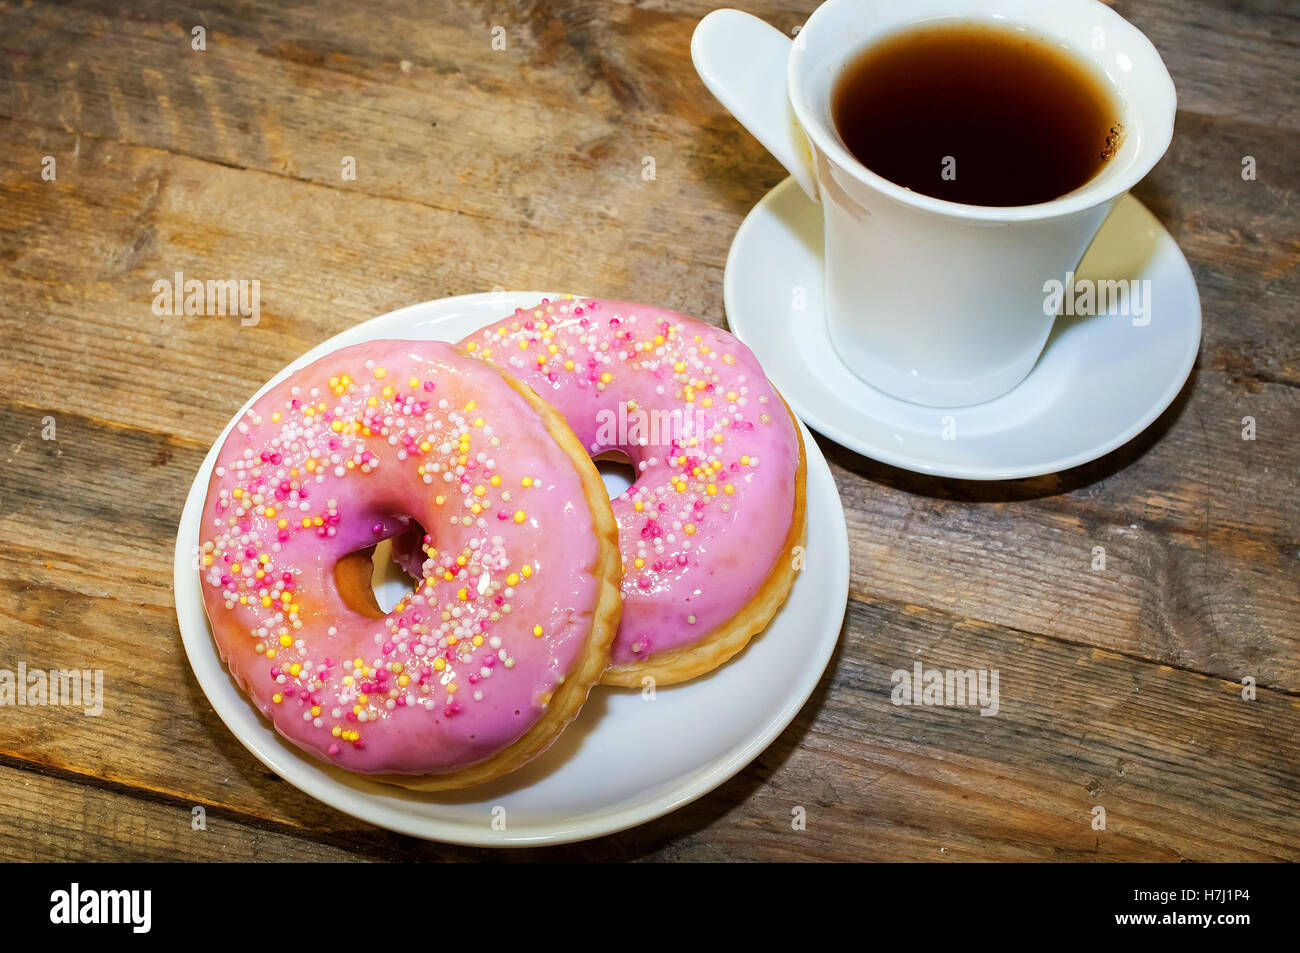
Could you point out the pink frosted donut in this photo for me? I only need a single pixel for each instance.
(708, 529)
(479, 667)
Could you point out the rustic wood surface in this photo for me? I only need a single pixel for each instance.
(479, 168)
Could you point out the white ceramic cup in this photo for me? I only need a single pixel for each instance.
(931, 301)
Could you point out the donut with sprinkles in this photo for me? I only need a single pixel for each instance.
(709, 529)
(494, 508)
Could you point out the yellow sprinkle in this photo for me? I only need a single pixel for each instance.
(380, 373)
(526, 481)
(277, 698)
(520, 516)
(690, 529)
(463, 595)
(537, 631)
(512, 579)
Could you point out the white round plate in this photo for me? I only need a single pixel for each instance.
(626, 759)
(1100, 381)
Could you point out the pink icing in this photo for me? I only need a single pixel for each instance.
(713, 447)
(361, 446)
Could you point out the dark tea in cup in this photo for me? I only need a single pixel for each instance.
(977, 114)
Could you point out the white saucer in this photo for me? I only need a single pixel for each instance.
(627, 759)
(1100, 381)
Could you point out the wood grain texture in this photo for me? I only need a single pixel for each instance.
(522, 169)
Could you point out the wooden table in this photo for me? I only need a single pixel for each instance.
(478, 168)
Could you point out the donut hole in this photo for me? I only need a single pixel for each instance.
(373, 580)
(616, 470)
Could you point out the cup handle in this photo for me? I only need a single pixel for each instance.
(744, 63)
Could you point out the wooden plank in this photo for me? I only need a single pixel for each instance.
(1184, 768)
(54, 819)
(708, 171)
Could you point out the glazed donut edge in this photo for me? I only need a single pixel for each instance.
(569, 698)
(728, 639)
